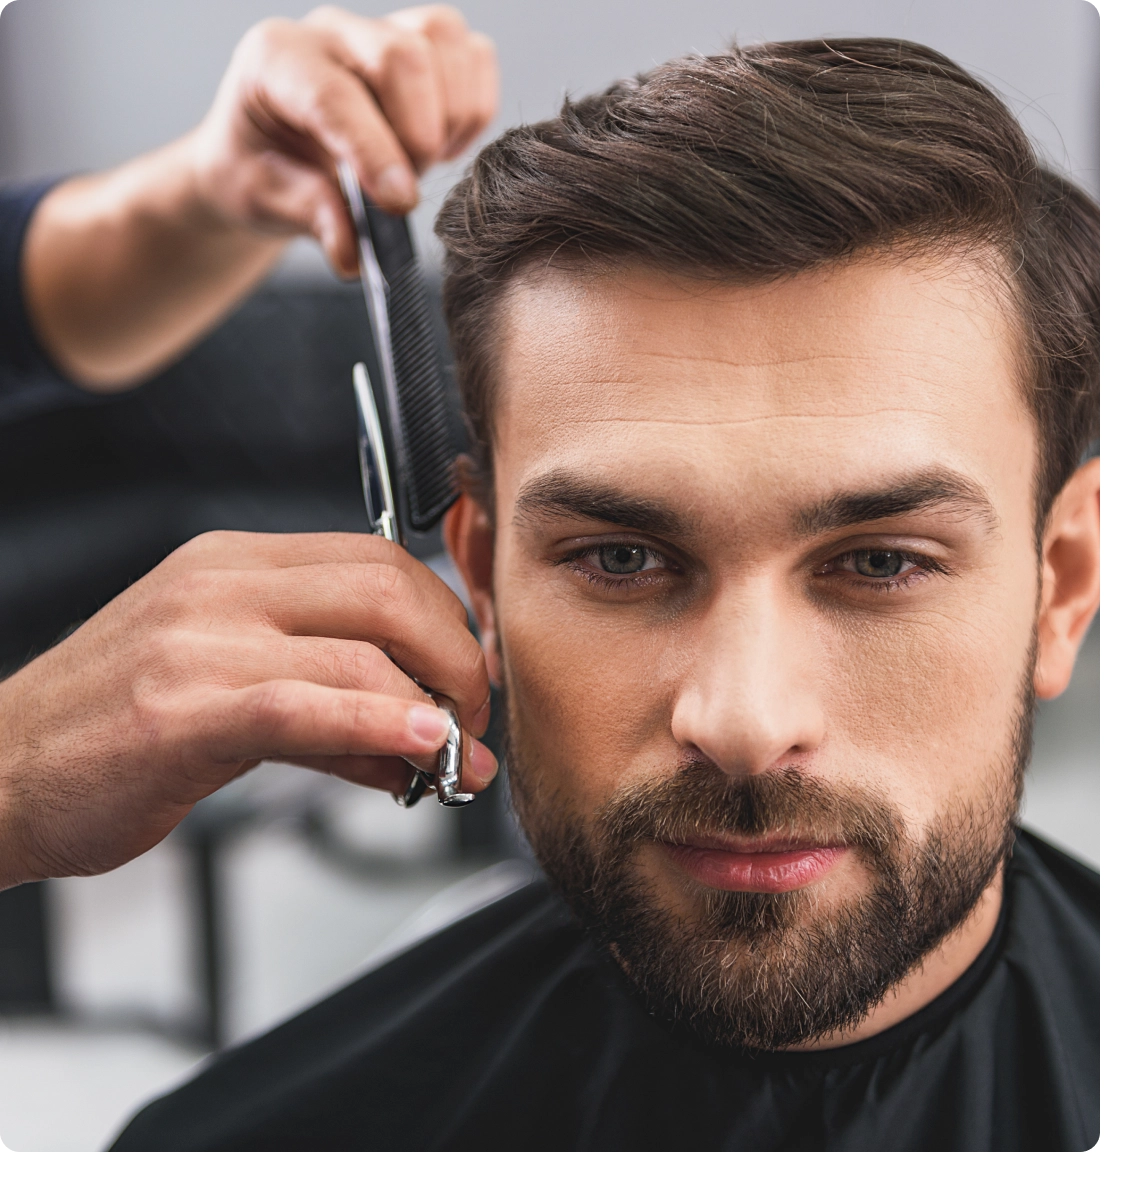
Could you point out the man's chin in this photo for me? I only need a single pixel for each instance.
(803, 958)
(769, 912)
(752, 970)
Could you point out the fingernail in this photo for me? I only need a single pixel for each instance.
(395, 186)
(483, 763)
(429, 724)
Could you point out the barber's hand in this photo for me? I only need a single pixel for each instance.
(391, 96)
(239, 647)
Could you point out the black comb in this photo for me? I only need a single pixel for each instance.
(423, 432)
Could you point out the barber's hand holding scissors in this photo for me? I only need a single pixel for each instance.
(239, 647)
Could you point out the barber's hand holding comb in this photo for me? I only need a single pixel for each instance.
(239, 647)
(298, 97)
(125, 269)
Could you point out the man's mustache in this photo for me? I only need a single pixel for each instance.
(700, 800)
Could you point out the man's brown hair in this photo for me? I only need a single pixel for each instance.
(770, 160)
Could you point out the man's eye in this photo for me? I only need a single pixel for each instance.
(624, 559)
(879, 563)
(883, 570)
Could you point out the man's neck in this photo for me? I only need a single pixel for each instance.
(935, 972)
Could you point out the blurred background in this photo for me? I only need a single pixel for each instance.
(287, 882)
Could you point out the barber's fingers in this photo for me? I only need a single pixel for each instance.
(484, 96)
(466, 67)
(266, 551)
(479, 768)
(390, 601)
(235, 659)
(294, 718)
(288, 719)
(434, 79)
(380, 604)
(335, 663)
(383, 605)
(242, 659)
(310, 82)
(294, 104)
(388, 96)
(228, 549)
(400, 68)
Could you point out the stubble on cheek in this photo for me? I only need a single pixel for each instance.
(924, 703)
(585, 710)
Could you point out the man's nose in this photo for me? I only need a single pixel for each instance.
(751, 698)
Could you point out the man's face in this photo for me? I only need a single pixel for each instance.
(766, 583)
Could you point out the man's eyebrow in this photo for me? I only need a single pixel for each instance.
(933, 488)
(566, 493)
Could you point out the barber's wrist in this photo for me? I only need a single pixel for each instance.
(190, 194)
(15, 861)
(201, 188)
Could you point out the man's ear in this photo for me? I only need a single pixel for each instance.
(1070, 591)
(469, 541)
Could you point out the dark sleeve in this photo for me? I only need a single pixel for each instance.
(29, 382)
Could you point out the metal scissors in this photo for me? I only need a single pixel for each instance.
(376, 473)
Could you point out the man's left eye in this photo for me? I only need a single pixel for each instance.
(880, 563)
(624, 559)
(876, 563)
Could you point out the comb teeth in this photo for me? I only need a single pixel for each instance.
(426, 465)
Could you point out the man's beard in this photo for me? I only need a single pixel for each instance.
(771, 970)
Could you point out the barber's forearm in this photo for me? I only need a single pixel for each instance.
(125, 269)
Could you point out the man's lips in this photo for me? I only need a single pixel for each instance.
(753, 866)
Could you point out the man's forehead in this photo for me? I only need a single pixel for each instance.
(878, 315)
(879, 360)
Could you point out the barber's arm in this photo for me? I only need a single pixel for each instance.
(124, 270)
(237, 648)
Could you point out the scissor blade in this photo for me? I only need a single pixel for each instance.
(373, 459)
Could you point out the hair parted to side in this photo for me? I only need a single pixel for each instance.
(767, 161)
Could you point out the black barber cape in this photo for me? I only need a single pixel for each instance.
(508, 1031)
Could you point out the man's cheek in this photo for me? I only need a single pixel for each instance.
(927, 704)
(589, 702)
